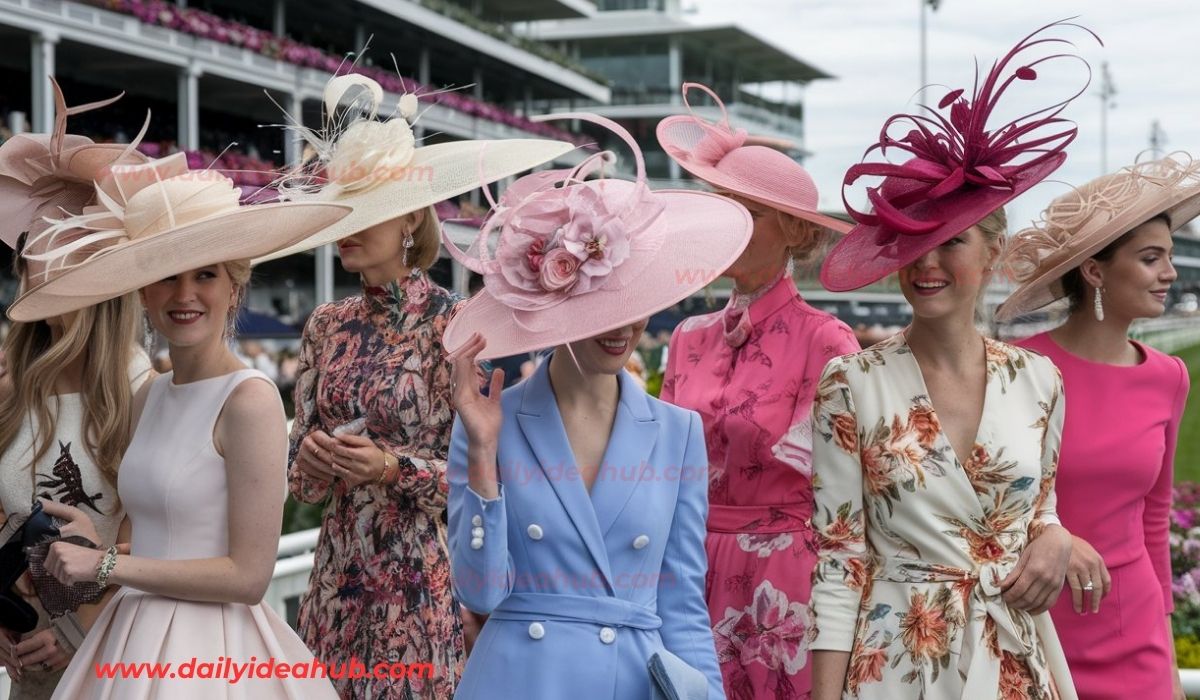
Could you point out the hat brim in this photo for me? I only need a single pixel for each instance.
(858, 260)
(249, 232)
(1180, 205)
(435, 173)
(705, 235)
(668, 131)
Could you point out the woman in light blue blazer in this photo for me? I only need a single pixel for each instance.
(577, 501)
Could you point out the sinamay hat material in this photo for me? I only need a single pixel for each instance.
(1084, 221)
(376, 168)
(958, 169)
(164, 220)
(565, 258)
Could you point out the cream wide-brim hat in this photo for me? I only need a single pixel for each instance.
(435, 173)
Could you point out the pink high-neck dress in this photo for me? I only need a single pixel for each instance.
(1115, 473)
(751, 372)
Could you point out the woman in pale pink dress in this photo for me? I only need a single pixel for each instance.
(751, 371)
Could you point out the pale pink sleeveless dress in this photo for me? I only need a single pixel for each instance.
(173, 485)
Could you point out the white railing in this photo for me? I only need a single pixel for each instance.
(290, 580)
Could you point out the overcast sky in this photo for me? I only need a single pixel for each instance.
(871, 46)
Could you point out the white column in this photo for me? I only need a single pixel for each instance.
(360, 36)
(42, 65)
(477, 78)
(460, 278)
(188, 108)
(324, 263)
(528, 107)
(279, 19)
(423, 66)
(293, 146)
(675, 61)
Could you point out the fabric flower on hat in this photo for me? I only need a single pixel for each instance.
(558, 236)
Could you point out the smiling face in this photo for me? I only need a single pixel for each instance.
(192, 308)
(608, 352)
(1137, 276)
(949, 279)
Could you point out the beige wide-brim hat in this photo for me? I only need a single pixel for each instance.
(1081, 223)
(435, 173)
(166, 220)
(376, 168)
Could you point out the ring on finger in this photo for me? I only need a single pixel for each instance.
(1088, 586)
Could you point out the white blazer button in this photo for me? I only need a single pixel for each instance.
(477, 543)
(608, 635)
(476, 520)
(640, 542)
(476, 532)
(536, 631)
(535, 531)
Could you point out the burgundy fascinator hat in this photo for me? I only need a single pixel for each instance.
(565, 257)
(959, 168)
(729, 158)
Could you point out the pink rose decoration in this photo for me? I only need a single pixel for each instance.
(597, 237)
(559, 271)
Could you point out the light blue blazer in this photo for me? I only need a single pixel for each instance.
(581, 589)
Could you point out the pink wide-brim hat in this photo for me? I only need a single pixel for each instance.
(1084, 221)
(958, 171)
(622, 253)
(165, 220)
(726, 159)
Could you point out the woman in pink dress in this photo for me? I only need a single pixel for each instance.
(1106, 248)
(751, 371)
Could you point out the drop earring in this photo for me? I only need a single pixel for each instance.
(408, 243)
(147, 333)
(1099, 304)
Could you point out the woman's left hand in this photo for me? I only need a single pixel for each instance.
(71, 564)
(1035, 582)
(356, 460)
(41, 650)
(77, 522)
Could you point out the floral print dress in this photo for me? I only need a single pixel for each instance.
(751, 372)
(914, 544)
(380, 585)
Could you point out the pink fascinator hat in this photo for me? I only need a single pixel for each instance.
(48, 176)
(163, 219)
(726, 158)
(565, 258)
(958, 169)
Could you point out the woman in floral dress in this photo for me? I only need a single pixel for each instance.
(750, 371)
(935, 451)
(372, 397)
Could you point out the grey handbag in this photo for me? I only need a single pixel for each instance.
(671, 678)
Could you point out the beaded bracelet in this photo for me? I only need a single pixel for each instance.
(105, 568)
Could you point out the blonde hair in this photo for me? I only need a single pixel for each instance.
(239, 274)
(808, 239)
(104, 336)
(994, 228)
(427, 240)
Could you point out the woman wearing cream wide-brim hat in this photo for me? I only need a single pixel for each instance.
(372, 392)
(200, 479)
(1106, 248)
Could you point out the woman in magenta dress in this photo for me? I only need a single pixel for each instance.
(1106, 248)
(751, 371)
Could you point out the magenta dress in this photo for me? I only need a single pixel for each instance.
(1114, 490)
(751, 371)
